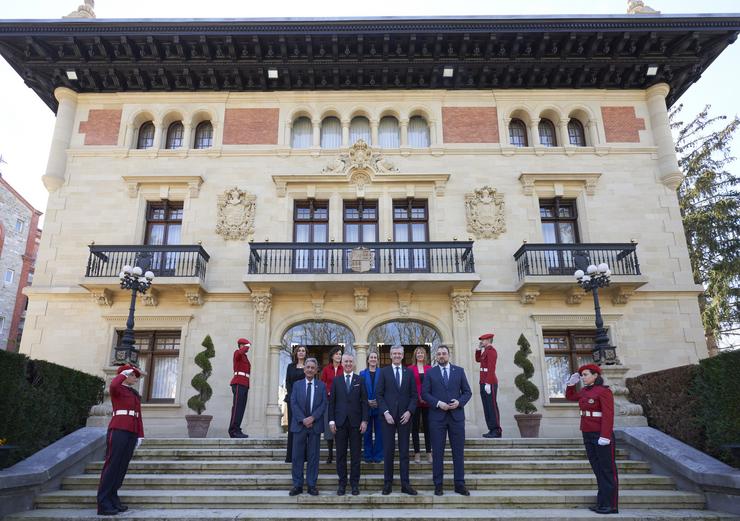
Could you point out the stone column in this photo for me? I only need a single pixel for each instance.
(563, 139)
(274, 413)
(128, 141)
(462, 354)
(534, 133)
(593, 132)
(361, 356)
(374, 132)
(345, 133)
(434, 138)
(316, 133)
(507, 134)
(404, 124)
(258, 410)
(626, 414)
(63, 128)
(159, 134)
(670, 173)
(288, 142)
(187, 136)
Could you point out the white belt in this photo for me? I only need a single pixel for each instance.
(484, 369)
(596, 414)
(239, 373)
(124, 412)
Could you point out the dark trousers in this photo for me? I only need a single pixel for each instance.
(306, 447)
(389, 449)
(119, 450)
(238, 404)
(604, 466)
(440, 429)
(373, 450)
(345, 436)
(421, 415)
(490, 408)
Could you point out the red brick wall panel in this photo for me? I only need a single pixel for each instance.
(251, 127)
(102, 127)
(470, 124)
(621, 125)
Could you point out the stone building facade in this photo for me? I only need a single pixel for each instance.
(363, 216)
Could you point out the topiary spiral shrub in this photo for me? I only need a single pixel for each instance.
(200, 381)
(524, 404)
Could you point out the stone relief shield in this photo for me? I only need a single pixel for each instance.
(236, 209)
(484, 210)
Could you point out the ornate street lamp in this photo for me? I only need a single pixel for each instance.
(132, 278)
(594, 278)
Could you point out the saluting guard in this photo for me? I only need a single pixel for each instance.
(596, 403)
(487, 356)
(125, 432)
(240, 387)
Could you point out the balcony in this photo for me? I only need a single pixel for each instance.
(394, 265)
(550, 267)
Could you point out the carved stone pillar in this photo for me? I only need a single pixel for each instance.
(361, 356)
(563, 138)
(670, 173)
(159, 132)
(128, 140)
(257, 404)
(374, 132)
(463, 352)
(534, 132)
(404, 124)
(274, 413)
(101, 413)
(345, 133)
(593, 132)
(507, 132)
(63, 128)
(287, 141)
(187, 134)
(626, 414)
(316, 133)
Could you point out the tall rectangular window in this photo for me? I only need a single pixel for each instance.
(19, 225)
(565, 352)
(310, 225)
(158, 355)
(360, 226)
(559, 219)
(411, 224)
(9, 276)
(163, 226)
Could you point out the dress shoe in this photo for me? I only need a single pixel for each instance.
(239, 435)
(313, 491)
(408, 489)
(355, 491)
(438, 490)
(295, 491)
(121, 508)
(606, 510)
(113, 512)
(593, 508)
(387, 489)
(462, 490)
(488, 435)
(340, 491)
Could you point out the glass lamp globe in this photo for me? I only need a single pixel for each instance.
(137, 271)
(592, 269)
(578, 274)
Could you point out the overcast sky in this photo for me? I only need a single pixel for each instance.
(26, 123)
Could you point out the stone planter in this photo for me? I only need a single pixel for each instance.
(198, 425)
(529, 425)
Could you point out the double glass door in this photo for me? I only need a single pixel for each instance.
(410, 224)
(311, 225)
(163, 226)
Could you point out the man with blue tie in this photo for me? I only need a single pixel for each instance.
(308, 405)
(397, 395)
(348, 411)
(446, 390)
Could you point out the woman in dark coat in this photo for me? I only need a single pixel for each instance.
(292, 375)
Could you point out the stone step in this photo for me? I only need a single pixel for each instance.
(272, 499)
(280, 442)
(375, 514)
(260, 467)
(367, 482)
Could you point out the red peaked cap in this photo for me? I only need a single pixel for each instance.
(122, 368)
(244, 341)
(486, 336)
(595, 369)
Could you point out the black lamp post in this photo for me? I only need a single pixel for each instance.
(594, 278)
(132, 278)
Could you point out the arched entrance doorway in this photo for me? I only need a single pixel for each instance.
(408, 333)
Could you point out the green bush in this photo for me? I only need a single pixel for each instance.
(41, 402)
(200, 381)
(524, 404)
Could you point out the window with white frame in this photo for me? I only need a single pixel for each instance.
(159, 353)
(302, 136)
(19, 223)
(419, 136)
(565, 352)
(9, 276)
(359, 128)
(331, 133)
(389, 135)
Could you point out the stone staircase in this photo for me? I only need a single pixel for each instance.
(210, 479)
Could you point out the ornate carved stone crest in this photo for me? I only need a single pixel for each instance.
(361, 259)
(484, 209)
(459, 301)
(361, 156)
(236, 210)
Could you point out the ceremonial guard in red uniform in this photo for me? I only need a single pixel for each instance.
(596, 403)
(486, 355)
(125, 432)
(240, 388)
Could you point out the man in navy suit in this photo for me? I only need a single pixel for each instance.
(396, 393)
(348, 413)
(446, 390)
(308, 405)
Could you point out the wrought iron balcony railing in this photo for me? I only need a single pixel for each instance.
(164, 261)
(267, 258)
(559, 259)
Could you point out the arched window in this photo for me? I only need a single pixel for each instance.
(146, 136)
(547, 133)
(418, 132)
(359, 128)
(410, 334)
(389, 135)
(174, 135)
(203, 135)
(302, 133)
(331, 133)
(576, 135)
(518, 133)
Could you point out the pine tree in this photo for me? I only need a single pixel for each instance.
(709, 200)
(199, 382)
(524, 404)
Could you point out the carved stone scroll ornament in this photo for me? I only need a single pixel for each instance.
(639, 7)
(235, 220)
(359, 156)
(83, 11)
(459, 301)
(484, 210)
(262, 302)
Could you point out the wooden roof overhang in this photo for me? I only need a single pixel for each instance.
(553, 52)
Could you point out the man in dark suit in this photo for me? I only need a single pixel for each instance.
(308, 405)
(446, 390)
(396, 393)
(348, 414)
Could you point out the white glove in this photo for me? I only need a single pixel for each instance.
(127, 372)
(574, 379)
(604, 441)
(138, 442)
(488, 388)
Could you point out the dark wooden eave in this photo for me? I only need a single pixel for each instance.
(554, 52)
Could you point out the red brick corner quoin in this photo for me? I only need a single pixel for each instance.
(251, 127)
(621, 125)
(470, 124)
(101, 127)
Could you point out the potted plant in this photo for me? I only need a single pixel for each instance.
(198, 423)
(529, 420)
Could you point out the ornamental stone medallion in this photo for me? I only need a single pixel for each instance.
(360, 156)
(235, 220)
(484, 210)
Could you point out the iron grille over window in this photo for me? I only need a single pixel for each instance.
(146, 136)
(203, 135)
(576, 135)
(518, 133)
(174, 135)
(547, 133)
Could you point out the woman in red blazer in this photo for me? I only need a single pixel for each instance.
(327, 376)
(421, 415)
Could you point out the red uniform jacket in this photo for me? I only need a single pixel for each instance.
(328, 374)
(415, 369)
(594, 399)
(241, 365)
(487, 360)
(125, 398)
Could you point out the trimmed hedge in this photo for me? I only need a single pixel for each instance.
(41, 402)
(697, 404)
